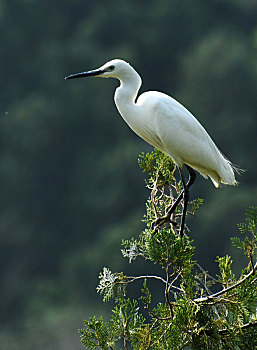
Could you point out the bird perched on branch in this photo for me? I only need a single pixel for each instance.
(167, 125)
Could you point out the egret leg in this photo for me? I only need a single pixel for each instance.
(187, 185)
(190, 182)
(185, 194)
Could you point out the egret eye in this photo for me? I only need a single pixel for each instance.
(111, 68)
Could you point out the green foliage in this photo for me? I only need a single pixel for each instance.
(225, 269)
(126, 324)
(158, 166)
(146, 294)
(249, 230)
(96, 333)
(191, 314)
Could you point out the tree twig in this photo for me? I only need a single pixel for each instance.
(132, 278)
(167, 291)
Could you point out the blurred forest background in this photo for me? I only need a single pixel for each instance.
(71, 188)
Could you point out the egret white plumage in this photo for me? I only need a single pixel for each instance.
(167, 125)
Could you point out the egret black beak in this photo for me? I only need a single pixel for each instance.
(95, 72)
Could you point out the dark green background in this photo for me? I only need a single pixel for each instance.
(69, 181)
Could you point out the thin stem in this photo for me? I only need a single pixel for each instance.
(162, 335)
(167, 289)
(174, 280)
(203, 271)
(153, 196)
(252, 263)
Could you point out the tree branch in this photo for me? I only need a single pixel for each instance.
(244, 326)
(221, 292)
(157, 317)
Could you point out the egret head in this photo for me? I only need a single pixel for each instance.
(113, 69)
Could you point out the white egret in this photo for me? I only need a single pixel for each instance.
(167, 125)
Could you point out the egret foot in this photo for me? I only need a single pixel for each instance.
(161, 221)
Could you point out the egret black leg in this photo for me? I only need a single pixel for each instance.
(192, 176)
(185, 194)
(190, 182)
(188, 185)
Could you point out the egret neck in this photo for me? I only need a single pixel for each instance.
(125, 97)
